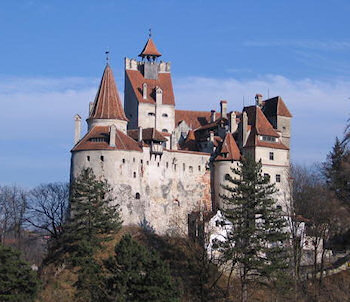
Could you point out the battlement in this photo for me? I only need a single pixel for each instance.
(133, 64)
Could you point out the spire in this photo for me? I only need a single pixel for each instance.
(150, 49)
(107, 103)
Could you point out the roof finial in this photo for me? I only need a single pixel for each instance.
(107, 56)
(150, 33)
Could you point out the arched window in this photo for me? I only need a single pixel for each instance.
(151, 114)
(164, 130)
(134, 174)
(137, 196)
(164, 115)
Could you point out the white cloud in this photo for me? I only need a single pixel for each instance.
(36, 116)
(320, 108)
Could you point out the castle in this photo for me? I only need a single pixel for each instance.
(167, 165)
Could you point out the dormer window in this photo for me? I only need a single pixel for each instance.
(267, 138)
(98, 139)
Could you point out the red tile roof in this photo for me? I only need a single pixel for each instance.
(164, 82)
(150, 49)
(190, 143)
(107, 103)
(101, 136)
(257, 120)
(230, 148)
(275, 106)
(254, 141)
(148, 134)
(194, 119)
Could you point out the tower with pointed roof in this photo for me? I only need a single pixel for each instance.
(107, 109)
(149, 100)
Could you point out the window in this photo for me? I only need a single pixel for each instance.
(151, 114)
(191, 169)
(164, 115)
(141, 161)
(167, 164)
(271, 156)
(278, 207)
(226, 176)
(102, 158)
(98, 139)
(147, 163)
(174, 167)
(278, 178)
(158, 164)
(184, 166)
(134, 174)
(199, 168)
(268, 138)
(123, 160)
(267, 175)
(164, 130)
(88, 158)
(137, 196)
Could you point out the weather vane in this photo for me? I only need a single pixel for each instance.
(150, 33)
(107, 56)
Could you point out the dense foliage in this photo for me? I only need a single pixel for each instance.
(137, 274)
(18, 282)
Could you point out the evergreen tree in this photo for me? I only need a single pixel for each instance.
(137, 274)
(94, 220)
(18, 282)
(255, 244)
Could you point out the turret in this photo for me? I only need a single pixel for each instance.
(107, 108)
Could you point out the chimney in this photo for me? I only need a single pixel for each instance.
(223, 106)
(139, 138)
(77, 128)
(91, 106)
(211, 138)
(258, 99)
(233, 122)
(212, 116)
(244, 128)
(159, 95)
(112, 133)
(144, 91)
(173, 144)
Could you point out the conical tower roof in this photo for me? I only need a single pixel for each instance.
(150, 49)
(107, 104)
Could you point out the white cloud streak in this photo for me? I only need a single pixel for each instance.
(37, 117)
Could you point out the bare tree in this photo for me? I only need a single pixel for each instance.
(47, 208)
(13, 202)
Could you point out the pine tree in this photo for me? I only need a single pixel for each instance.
(137, 274)
(18, 283)
(94, 220)
(255, 244)
(336, 171)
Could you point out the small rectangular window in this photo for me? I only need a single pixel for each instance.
(167, 164)
(141, 161)
(199, 168)
(271, 156)
(88, 158)
(133, 159)
(102, 158)
(123, 160)
(191, 169)
(266, 175)
(184, 166)
(278, 178)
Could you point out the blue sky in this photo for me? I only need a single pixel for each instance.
(52, 55)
